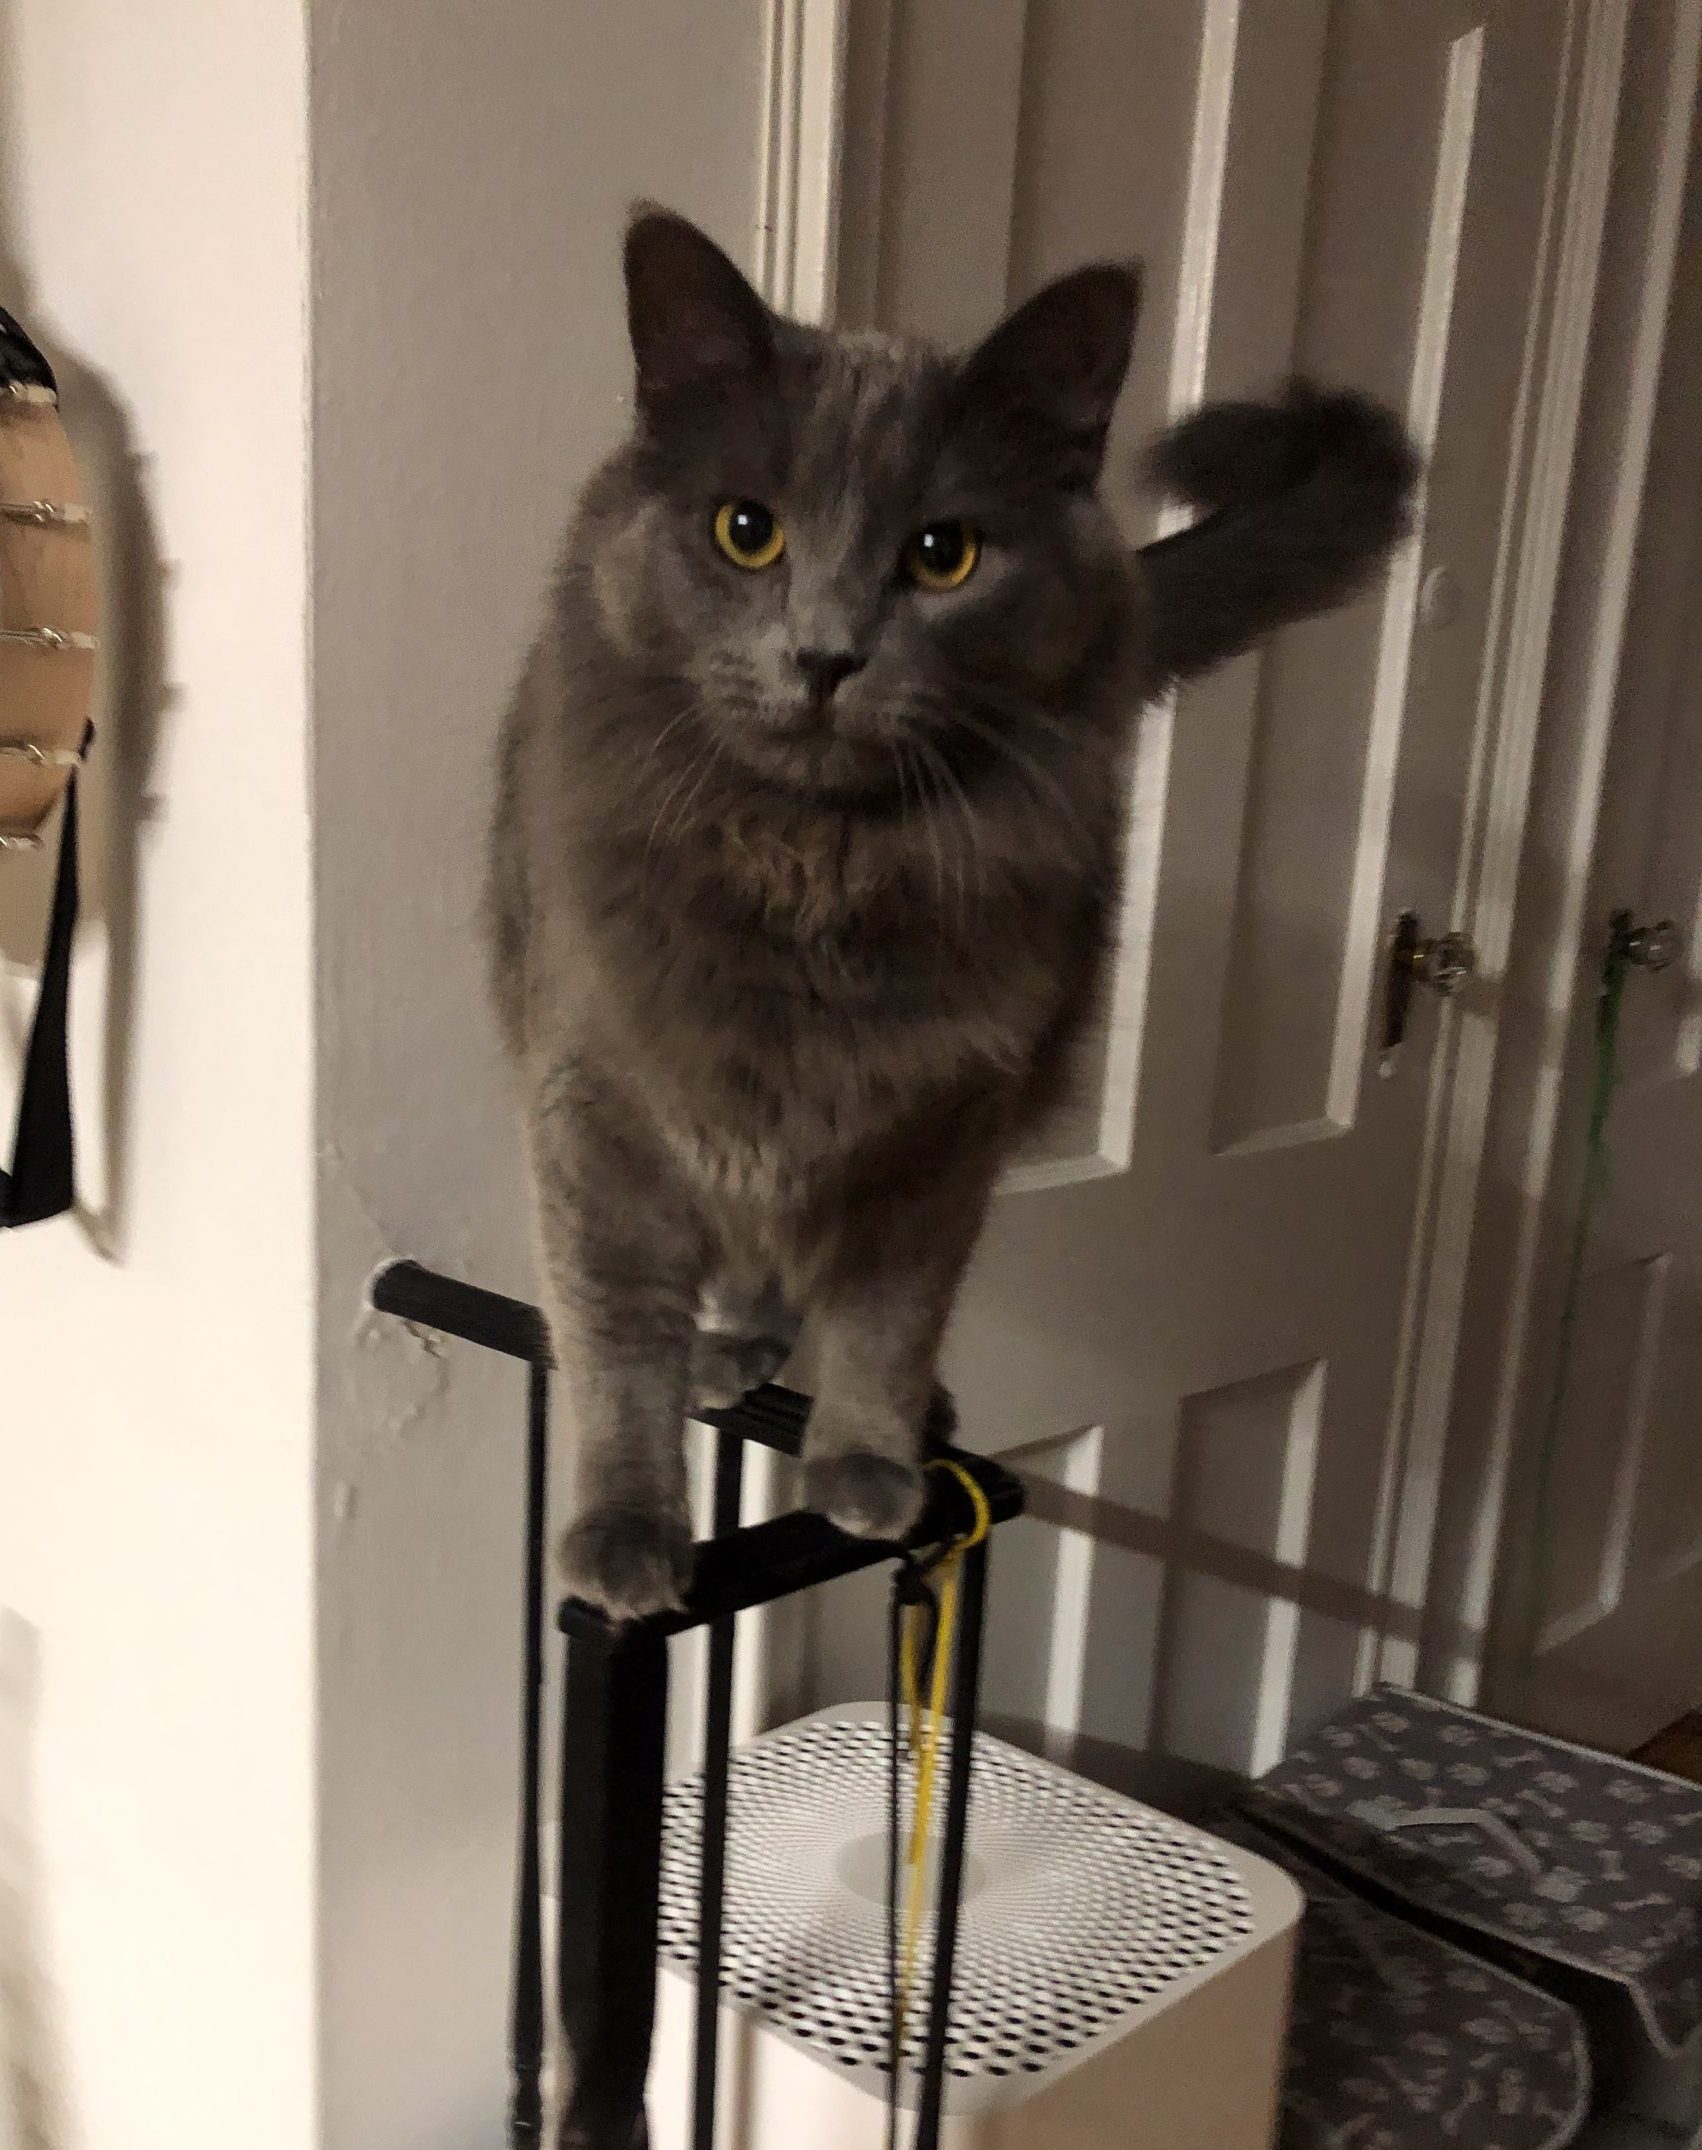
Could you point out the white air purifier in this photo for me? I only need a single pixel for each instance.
(1121, 1978)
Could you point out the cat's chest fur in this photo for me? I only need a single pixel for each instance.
(790, 993)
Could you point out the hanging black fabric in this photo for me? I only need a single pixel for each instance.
(20, 360)
(43, 1181)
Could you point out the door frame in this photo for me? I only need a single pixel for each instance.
(1487, 1284)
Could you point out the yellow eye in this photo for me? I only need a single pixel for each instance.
(942, 556)
(748, 533)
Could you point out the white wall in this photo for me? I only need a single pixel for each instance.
(472, 167)
(155, 1407)
(204, 208)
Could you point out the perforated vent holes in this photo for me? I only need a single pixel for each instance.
(1079, 1909)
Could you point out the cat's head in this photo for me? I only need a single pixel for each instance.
(853, 552)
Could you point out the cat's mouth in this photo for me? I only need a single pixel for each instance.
(808, 719)
(812, 728)
(807, 750)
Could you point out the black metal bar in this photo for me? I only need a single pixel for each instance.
(894, 1827)
(772, 1416)
(613, 1742)
(965, 1703)
(526, 2025)
(765, 1561)
(717, 1755)
(614, 1717)
(412, 1292)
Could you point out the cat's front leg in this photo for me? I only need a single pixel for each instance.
(745, 1334)
(876, 1351)
(877, 1318)
(623, 1258)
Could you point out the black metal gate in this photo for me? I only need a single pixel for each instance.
(614, 1716)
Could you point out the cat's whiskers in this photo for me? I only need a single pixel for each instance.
(995, 698)
(907, 767)
(698, 768)
(1028, 718)
(681, 818)
(1040, 779)
(949, 788)
(661, 739)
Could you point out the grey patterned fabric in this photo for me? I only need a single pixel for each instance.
(1576, 1857)
(1400, 2041)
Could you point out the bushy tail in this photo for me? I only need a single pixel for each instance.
(1301, 501)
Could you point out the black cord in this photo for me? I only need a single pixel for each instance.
(526, 2018)
(895, 1630)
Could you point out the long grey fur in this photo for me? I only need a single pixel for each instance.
(801, 878)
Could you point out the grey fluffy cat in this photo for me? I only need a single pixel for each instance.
(808, 838)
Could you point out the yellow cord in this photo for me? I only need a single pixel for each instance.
(927, 1720)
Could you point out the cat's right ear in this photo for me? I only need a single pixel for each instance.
(694, 320)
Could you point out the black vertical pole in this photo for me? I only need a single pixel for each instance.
(526, 2023)
(965, 1701)
(614, 1720)
(712, 1871)
(894, 1828)
(614, 1714)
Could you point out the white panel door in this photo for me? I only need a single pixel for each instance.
(1617, 1629)
(1190, 1308)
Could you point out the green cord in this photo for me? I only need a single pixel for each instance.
(1615, 968)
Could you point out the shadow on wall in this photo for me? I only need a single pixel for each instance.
(1183, 1546)
(1162, 1769)
(32, 2113)
(130, 702)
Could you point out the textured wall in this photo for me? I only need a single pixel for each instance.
(472, 165)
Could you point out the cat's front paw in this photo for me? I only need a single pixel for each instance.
(725, 1367)
(626, 1562)
(867, 1495)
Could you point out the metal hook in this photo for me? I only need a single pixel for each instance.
(49, 638)
(67, 516)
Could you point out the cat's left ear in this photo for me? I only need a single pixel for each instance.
(694, 320)
(1058, 362)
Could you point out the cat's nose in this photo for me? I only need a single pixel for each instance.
(825, 668)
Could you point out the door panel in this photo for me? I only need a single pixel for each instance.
(1246, 1470)
(1188, 1309)
(1618, 1563)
